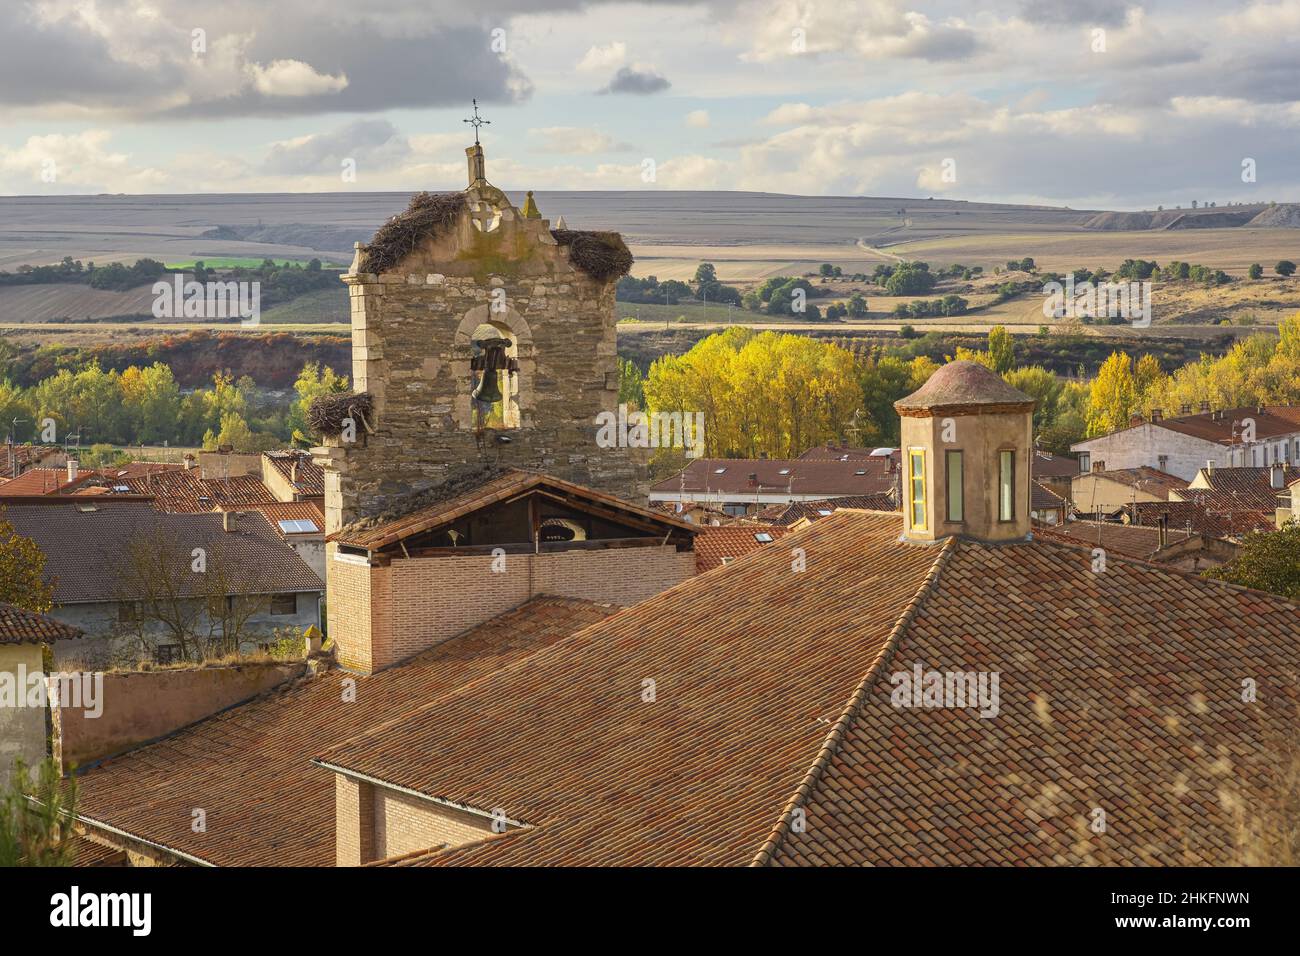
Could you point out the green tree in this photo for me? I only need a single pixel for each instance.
(151, 400)
(857, 305)
(38, 833)
(705, 274)
(631, 385)
(313, 382)
(1256, 270)
(1002, 353)
(1284, 268)
(1041, 385)
(1267, 561)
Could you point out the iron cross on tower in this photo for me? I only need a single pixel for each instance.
(477, 122)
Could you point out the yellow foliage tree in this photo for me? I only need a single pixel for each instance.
(22, 571)
(760, 393)
(1113, 395)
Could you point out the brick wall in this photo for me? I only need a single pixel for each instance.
(380, 616)
(405, 824)
(354, 821)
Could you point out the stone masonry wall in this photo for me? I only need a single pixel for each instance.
(411, 349)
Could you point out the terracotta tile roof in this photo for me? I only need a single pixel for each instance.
(308, 478)
(138, 469)
(293, 511)
(1237, 489)
(90, 853)
(20, 457)
(831, 452)
(374, 535)
(1047, 465)
(712, 544)
(84, 543)
(787, 514)
(184, 492)
(780, 476)
(1119, 692)
(774, 702)
(250, 768)
(963, 384)
(37, 481)
(1151, 480)
(18, 626)
(1224, 426)
(750, 662)
(1042, 498)
(1133, 540)
(1200, 518)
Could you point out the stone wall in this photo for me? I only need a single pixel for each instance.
(411, 349)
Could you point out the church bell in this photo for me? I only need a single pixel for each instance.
(489, 362)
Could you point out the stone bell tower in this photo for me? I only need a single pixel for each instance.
(967, 447)
(480, 337)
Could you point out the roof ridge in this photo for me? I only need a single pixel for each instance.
(830, 745)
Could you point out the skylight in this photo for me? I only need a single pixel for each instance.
(719, 471)
(784, 471)
(298, 526)
(762, 537)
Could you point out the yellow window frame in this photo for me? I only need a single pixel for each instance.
(915, 470)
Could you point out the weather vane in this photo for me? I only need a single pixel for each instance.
(477, 122)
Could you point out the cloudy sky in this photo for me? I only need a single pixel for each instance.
(1090, 103)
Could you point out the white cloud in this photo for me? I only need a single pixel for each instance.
(576, 140)
(75, 163)
(293, 78)
(598, 59)
(879, 29)
(697, 119)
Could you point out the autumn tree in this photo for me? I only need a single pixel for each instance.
(1113, 395)
(768, 392)
(22, 571)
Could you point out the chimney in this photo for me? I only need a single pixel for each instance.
(1164, 530)
(1135, 419)
(1277, 476)
(72, 469)
(229, 520)
(293, 472)
(189, 461)
(753, 479)
(1209, 467)
(1098, 466)
(1156, 414)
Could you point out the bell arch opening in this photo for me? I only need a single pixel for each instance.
(494, 376)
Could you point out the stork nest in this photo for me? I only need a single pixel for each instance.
(602, 255)
(328, 413)
(429, 214)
